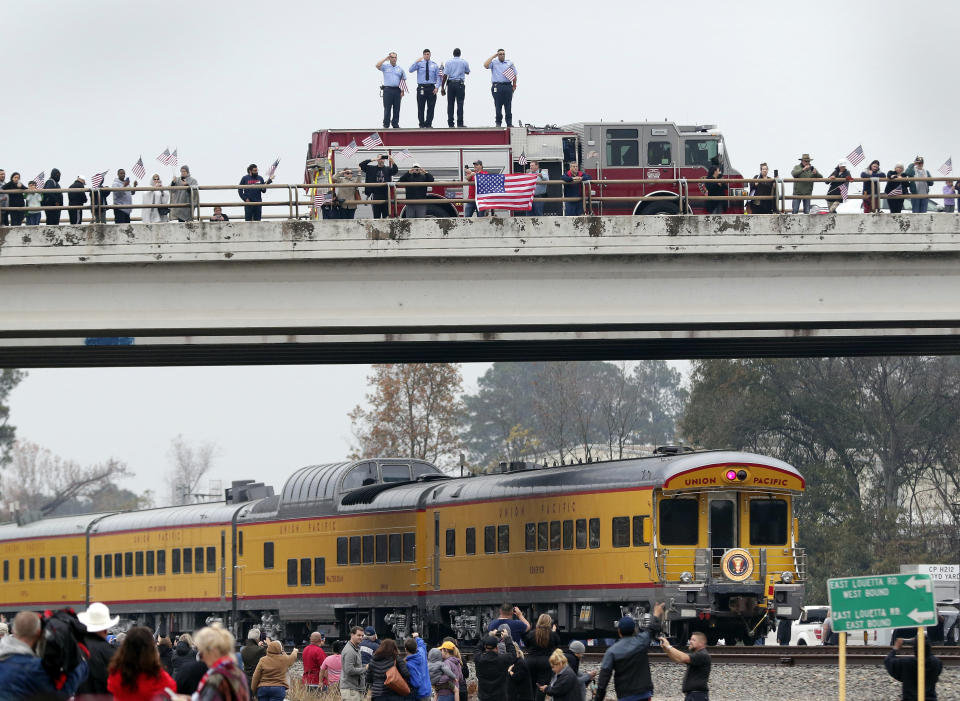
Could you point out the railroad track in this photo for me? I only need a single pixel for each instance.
(857, 655)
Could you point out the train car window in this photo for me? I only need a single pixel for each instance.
(470, 543)
(367, 549)
(53, 568)
(43, 568)
(128, 564)
(75, 566)
(175, 561)
(97, 566)
(555, 540)
(161, 561)
(356, 549)
(396, 547)
(305, 579)
(621, 531)
(503, 538)
(138, 563)
(63, 566)
(240, 543)
(108, 565)
(211, 559)
(151, 560)
(33, 568)
(451, 542)
(341, 551)
(568, 534)
(581, 533)
(21, 569)
(638, 538)
(292, 572)
(6, 570)
(188, 560)
(360, 476)
(530, 537)
(768, 522)
(395, 473)
(658, 153)
(320, 571)
(409, 547)
(594, 533)
(118, 564)
(489, 540)
(381, 548)
(268, 555)
(198, 560)
(419, 470)
(679, 522)
(543, 536)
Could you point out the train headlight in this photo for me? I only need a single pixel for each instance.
(735, 475)
(786, 577)
(686, 578)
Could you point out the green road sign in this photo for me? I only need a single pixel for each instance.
(881, 601)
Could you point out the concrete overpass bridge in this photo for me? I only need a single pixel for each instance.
(481, 289)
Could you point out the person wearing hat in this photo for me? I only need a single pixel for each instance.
(626, 660)
(97, 620)
(697, 660)
(76, 199)
(801, 172)
(369, 645)
(416, 174)
(491, 667)
(576, 651)
(378, 172)
(471, 205)
(918, 187)
(186, 198)
(835, 188)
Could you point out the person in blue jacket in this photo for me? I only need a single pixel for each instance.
(252, 212)
(21, 673)
(420, 686)
(572, 188)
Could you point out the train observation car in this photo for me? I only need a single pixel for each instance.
(398, 544)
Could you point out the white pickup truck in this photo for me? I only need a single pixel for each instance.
(805, 630)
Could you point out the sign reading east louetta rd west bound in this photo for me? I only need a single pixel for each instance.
(881, 601)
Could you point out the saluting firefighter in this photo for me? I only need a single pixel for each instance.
(504, 76)
(392, 73)
(454, 86)
(428, 85)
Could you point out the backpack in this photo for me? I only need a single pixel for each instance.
(61, 648)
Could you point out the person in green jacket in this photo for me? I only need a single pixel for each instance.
(804, 170)
(918, 187)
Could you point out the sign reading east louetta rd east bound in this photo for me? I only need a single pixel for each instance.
(881, 601)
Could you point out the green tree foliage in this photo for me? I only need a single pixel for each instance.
(877, 439)
(9, 379)
(590, 409)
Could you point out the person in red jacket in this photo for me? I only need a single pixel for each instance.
(313, 657)
(135, 671)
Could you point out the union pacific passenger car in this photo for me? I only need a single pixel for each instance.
(400, 545)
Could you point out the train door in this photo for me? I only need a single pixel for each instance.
(721, 524)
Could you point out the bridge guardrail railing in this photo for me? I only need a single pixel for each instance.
(299, 208)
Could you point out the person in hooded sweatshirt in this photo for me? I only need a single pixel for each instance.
(386, 656)
(416, 659)
(76, 199)
(52, 199)
(270, 677)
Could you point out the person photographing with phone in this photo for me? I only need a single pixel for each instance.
(904, 669)
(697, 660)
(416, 174)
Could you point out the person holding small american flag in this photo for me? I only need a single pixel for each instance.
(252, 212)
(392, 77)
(504, 76)
(836, 190)
(894, 190)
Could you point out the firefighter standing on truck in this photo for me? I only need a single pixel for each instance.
(504, 76)
(428, 85)
(392, 73)
(454, 83)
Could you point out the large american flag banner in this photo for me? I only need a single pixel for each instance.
(139, 170)
(512, 191)
(856, 156)
(372, 141)
(403, 85)
(97, 179)
(510, 74)
(40, 180)
(349, 149)
(947, 167)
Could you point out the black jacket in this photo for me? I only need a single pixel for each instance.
(15, 193)
(376, 174)
(76, 198)
(52, 199)
(416, 192)
(904, 669)
(101, 652)
(520, 686)
(833, 191)
(626, 661)
(565, 687)
(377, 674)
(491, 669)
(251, 654)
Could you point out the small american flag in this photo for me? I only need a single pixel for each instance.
(272, 170)
(349, 149)
(856, 156)
(896, 192)
(172, 161)
(139, 170)
(441, 74)
(403, 85)
(844, 191)
(947, 167)
(509, 73)
(322, 197)
(523, 159)
(373, 141)
(97, 179)
(403, 155)
(165, 156)
(513, 191)
(40, 180)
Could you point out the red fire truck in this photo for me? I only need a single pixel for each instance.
(663, 152)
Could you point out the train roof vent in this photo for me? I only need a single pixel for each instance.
(672, 449)
(240, 491)
(517, 466)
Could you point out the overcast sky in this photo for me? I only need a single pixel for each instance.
(229, 83)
